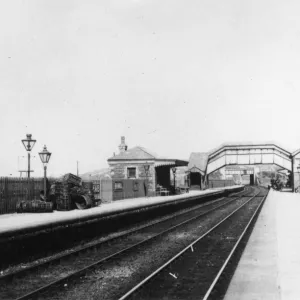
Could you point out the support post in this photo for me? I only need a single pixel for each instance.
(174, 183)
(28, 166)
(28, 178)
(45, 185)
(293, 176)
(99, 188)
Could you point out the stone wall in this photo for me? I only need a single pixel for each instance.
(119, 171)
(151, 176)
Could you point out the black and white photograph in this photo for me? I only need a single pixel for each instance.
(150, 150)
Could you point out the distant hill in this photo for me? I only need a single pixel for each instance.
(94, 175)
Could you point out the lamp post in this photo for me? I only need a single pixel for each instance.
(146, 168)
(28, 144)
(45, 157)
(174, 177)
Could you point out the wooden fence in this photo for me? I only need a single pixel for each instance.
(14, 189)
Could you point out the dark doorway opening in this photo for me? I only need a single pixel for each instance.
(163, 176)
(195, 180)
(251, 179)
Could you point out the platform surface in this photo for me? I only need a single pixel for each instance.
(10, 223)
(269, 268)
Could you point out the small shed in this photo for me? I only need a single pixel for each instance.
(196, 170)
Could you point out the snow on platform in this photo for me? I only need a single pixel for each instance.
(269, 268)
(11, 223)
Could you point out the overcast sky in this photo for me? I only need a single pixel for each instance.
(173, 76)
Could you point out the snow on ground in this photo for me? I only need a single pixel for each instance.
(13, 222)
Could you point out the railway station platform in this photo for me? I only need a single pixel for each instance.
(269, 267)
(17, 224)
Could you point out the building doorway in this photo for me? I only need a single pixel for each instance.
(195, 181)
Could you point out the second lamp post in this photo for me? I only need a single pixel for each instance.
(174, 177)
(45, 157)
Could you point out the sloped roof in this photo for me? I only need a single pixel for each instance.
(134, 153)
(141, 153)
(198, 160)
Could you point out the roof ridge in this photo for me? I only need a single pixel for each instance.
(144, 149)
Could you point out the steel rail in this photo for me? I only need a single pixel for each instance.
(208, 293)
(153, 274)
(116, 254)
(58, 257)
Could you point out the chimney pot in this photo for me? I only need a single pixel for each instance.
(122, 146)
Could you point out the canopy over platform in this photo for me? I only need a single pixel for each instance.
(170, 162)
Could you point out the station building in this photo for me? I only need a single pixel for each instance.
(141, 163)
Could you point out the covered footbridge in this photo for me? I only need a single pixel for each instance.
(258, 154)
(243, 154)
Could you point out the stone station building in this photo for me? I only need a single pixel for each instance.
(140, 163)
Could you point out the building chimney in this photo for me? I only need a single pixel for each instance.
(123, 146)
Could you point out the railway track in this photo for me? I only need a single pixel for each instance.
(199, 270)
(34, 280)
(58, 238)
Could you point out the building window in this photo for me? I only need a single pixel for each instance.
(118, 186)
(131, 172)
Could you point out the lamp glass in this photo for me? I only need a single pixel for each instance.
(28, 143)
(45, 155)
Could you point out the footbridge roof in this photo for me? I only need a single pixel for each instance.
(243, 145)
(200, 160)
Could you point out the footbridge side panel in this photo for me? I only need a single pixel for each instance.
(251, 156)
